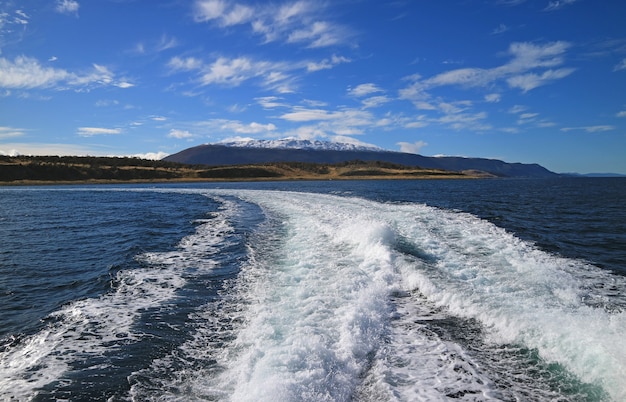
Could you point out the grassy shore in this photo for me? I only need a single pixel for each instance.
(35, 170)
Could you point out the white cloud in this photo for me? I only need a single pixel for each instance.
(298, 22)
(344, 122)
(151, 155)
(107, 102)
(620, 66)
(91, 131)
(529, 81)
(364, 89)
(185, 64)
(162, 44)
(225, 13)
(232, 71)
(67, 6)
(252, 128)
(465, 121)
(517, 109)
(46, 149)
(179, 134)
(327, 64)
(590, 129)
(493, 98)
(621, 114)
(558, 4)
(301, 115)
(11, 132)
(528, 115)
(525, 57)
(319, 34)
(500, 29)
(270, 102)
(511, 2)
(412, 147)
(27, 73)
(375, 101)
(529, 66)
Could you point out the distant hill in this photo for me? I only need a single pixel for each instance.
(328, 153)
(22, 170)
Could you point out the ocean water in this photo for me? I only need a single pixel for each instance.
(478, 290)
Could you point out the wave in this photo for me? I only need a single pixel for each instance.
(86, 334)
(340, 298)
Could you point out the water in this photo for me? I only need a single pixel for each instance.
(339, 291)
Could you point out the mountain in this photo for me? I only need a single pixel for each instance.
(292, 143)
(256, 152)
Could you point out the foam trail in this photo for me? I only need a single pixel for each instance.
(91, 328)
(315, 305)
(323, 306)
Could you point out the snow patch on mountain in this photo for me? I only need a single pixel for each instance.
(293, 143)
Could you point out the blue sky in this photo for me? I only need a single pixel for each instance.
(534, 81)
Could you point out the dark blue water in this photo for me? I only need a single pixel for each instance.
(143, 292)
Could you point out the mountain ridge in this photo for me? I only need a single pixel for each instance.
(294, 143)
(222, 154)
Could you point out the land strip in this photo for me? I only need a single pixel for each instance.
(28, 170)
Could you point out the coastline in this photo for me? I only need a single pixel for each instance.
(35, 171)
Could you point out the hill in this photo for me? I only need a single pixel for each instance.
(219, 154)
(54, 169)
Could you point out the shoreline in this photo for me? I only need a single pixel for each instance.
(25, 183)
(34, 171)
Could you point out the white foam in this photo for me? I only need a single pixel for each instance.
(323, 307)
(92, 327)
(316, 311)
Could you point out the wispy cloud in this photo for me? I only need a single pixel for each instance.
(527, 118)
(590, 129)
(493, 98)
(151, 155)
(11, 132)
(326, 64)
(519, 72)
(271, 102)
(344, 122)
(67, 7)
(620, 66)
(180, 134)
(164, 43)
(233, 72)
(500, 29)
(14, 149)
(412, 147)
(510, 2)
(250, 128)
(27, 73)
(375, 101)
(364, 89)
(223, 128)
(558, 4)
(91, 131)
(529, 81)
(298, 22)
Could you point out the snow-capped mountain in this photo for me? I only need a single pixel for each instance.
(293, 143)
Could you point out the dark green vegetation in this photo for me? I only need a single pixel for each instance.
(73, 169)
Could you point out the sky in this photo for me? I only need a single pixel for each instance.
(532, 81)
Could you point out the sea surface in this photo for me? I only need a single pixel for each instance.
(420, 290)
